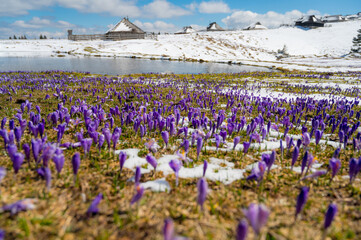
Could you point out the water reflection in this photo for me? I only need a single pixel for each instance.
(116, 66)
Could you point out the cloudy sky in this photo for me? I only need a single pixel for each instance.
(54, 17)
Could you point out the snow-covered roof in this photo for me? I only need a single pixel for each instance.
(185, 30)
(125, 26)
(256, 26)
(214, 27)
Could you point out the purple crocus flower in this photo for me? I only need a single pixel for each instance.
(86, 144)
(316, 174)
(93, 208)
(152, 145)
(152, 161)
(138, 195)
(2, 234)
(318, 136)
(101, 140)
(246, 146)
(205, 166)
(353, 169)
(168, 229)
(306, 139)
(199, 146)
(2, 173)
(36, 146)
(335, 165)
(165, 136)
(301, 200)
(76, 164)
(21, 205)
(242, 230)
(175, 165)
(330, 215)
(18, 159)
(47, 177)
(295, 154)
(18, 133)
(59, 160)
(258, 172)
(236, 140)
(257, 216)
(202, 191)
(218, 140)
(137, 176)
(122, 158)
(26, 149)
(11, 150)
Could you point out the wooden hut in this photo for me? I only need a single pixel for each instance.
(125, 30)
(333, 18)
(309, 22)
(214, 27)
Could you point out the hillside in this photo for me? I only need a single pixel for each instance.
(316, 49)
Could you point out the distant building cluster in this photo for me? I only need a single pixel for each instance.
(125, 29)
(312, 21)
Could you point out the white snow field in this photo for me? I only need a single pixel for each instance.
(322, 49)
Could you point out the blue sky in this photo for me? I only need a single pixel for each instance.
(54, 17)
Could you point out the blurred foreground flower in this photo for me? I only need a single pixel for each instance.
(93, 208)
(257, 215)
(21, 205)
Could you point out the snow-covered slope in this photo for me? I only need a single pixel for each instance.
(317, 46)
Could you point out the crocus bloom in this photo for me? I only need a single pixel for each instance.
(335, 165)
(21, 205)
(138, 195)
(152, 145)
(47, 176)
(168, 229)
(295, 154)
(330, 215)
(152, 161)
(58, 160)
(2, 234)
(318, 136)
(76, 163)
(175, 165)
(205, 166)
(18, 159)
(11, 150)
(199, 146)
(301, 200)
(316, 174)
(93, 208)
(242, 230)
(246, 146)
(353, 169)
(165, 136)
(236, 140)
(183, 156)
(137, 176)
(258, 172)
(122, 158)
(26, 149)
(202, 191)
(257, 216)
(86, 144)
(306, 139)
(2, 173)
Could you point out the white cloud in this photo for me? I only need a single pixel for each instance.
(121, 8)
(213, 7)
(163, 9)
(241, 19)
(157, 26)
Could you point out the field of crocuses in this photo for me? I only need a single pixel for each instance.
(152, 156)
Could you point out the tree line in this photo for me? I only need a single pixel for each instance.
(24, 37)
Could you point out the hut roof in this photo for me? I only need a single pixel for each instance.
(214, 27)
(125, 26)
(185, 30)
(256, 26)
